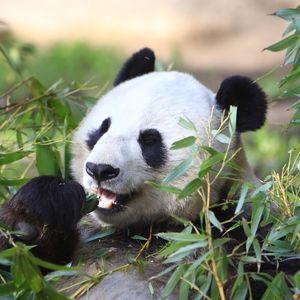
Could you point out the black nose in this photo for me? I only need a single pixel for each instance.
(101, 172)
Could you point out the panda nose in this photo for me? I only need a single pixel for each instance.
(101, 172)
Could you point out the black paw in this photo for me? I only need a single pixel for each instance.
(50, 201)
(45, 213)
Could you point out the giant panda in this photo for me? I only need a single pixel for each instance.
(123, 143)
(125, 140)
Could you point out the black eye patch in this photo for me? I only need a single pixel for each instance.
(96, 134)
(153, 148)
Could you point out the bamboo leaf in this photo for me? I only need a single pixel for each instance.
(186, 237)
(165, 188)
(187, 124)
(103, 233)
(190, 247)
(214, 220)
(244, 191)
(179, 170)
(288, 14)
(172, 282)
(284, 43)
(232, 119)
(207, 164)
(7, 158)
(257, 212)
(184, 143)
(47, 160)
(190, 188)
(241, 291)
(7, 288)
(13, 182)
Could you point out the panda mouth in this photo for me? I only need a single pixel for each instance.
(110, 202)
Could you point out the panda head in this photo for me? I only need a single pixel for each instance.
(125, 140)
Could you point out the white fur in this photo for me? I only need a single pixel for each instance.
(156, 100)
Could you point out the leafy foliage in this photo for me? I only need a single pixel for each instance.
(290, 43)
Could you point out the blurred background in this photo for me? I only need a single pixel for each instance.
(86, 41)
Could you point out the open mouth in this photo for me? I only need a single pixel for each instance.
(109, 202)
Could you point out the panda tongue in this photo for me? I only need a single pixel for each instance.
(107, 199)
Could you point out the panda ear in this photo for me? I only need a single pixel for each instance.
(248, 97)
(140, 63)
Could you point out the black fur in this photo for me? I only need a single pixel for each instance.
(248, 97)
(96, 134)
(153, 149)
(140, 63)
(48, 208)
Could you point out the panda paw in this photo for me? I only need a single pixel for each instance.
(45, 212)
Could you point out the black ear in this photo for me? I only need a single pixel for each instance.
(248, 97)
(140, 63)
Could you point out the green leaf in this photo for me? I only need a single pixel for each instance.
(165, 271)
(171, 248)
(59, 274)
(208, 163)
(244, 191)
(90, 204)
(7, 158)
(209, 150)
(179, 170)
(257, 251)
(66, 151)
(178, 236)
(187, 124)
(241, 291)
(297, 280)
(295, 119)
(284, 43)
(138, 237)
(257, 211)
(184, 290)
(248, 259)
(246, 228)
(7, 288)
(52, 294)
(190, 247)
(277, 289)
(151, 288)
(294, 75)
(288, 14)
(174, 279)
(47, 160)
(36, 87)
(232, 119)
(214, 220)
(13, 182)
(190, 188)
(50, 266)
(263, 188)
(289, 29)
(184, 143)
(165, 188)
(221, 137)
(103, 233)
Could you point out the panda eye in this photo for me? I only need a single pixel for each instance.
(153, 148)
(149, 137)
(96, 134)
